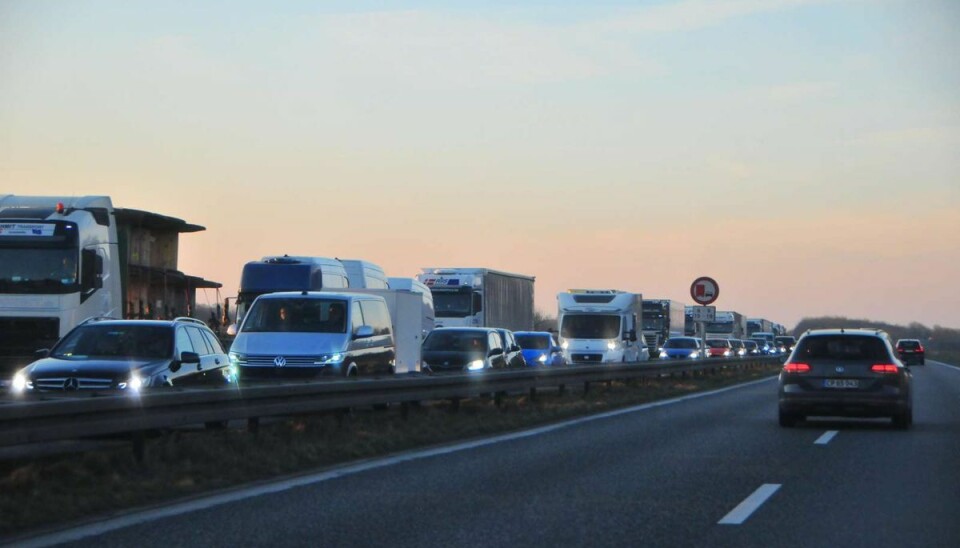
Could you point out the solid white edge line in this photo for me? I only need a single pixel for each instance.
(750, 504)
(826, 437)
(176, 509)
(954, 367)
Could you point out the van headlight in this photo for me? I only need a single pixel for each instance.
(20, 383)
(663, 354)
(564, 345)
(237, 359)
(611, 345)
(329, 359)
(475, 365)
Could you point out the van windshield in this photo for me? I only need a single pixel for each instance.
(590, 326)
(297, 316)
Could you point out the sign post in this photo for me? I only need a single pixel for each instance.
(704, 291)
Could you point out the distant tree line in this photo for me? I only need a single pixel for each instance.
(941, 342)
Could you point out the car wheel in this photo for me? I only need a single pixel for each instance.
(903, 420)
(787, 420)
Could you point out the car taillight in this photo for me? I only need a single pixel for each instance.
(796, 368)
(884, 368)
(920, 349)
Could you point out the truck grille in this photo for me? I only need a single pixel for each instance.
(21, 337)
(650, 339)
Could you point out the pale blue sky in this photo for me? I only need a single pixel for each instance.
(633, 139)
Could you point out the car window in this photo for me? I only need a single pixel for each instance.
(908, 345)
(842, 347)
(356, 317)
(183, 341)
(494, 342)
(199, 342)
(213, 342)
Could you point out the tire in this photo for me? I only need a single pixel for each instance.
(787, 420)
(903, 420)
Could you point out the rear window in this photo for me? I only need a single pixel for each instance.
(842, 347)
(908, 345)
(533, 342)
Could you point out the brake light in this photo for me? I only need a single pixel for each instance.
(796, 368)
(920, 349)
(884, 368)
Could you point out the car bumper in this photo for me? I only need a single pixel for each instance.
(847, 405)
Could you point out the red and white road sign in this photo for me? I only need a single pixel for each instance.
(704, 290)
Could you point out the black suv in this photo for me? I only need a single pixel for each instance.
(128, 355)
(463, 349)
(910, 351)
(845, 372)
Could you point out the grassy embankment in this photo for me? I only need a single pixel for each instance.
(49, 491)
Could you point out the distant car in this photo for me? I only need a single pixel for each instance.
(540, 348)
(681, 348)
(752, 348)
(462, 349)
(765, 346)
(911, 351)
(128, 355)
(737, 349)
(784, 343)
(512, 352)
(845, 372)
(718, 348)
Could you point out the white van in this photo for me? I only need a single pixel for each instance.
(309, 334)
(365, 275)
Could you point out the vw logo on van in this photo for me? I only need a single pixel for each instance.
(839, 369)
(279, 361)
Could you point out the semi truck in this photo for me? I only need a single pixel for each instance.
(66, 259)
(662, 319)
(727, 325)
(600, 326)
(759, 324)
(480, 297)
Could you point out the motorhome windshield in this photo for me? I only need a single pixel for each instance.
(297, 315)
(451, 305)
(47, 270)
(590, 326)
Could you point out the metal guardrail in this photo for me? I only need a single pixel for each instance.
(31, 421)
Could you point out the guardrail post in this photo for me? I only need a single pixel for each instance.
(533, 393)
(454, 405)
(405, 410)
(586, 388)
(253, 425)
(562, 390)
(498, 399)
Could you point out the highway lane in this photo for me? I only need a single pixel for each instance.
(663, 475)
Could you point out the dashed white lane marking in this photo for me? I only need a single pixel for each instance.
(749, 505)
(826, 437)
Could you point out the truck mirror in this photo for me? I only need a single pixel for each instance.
(232, 330)
(41, 353)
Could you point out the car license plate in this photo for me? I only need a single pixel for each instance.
(841, 383)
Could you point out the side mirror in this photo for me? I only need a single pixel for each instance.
(41, 353)
(556, 349)
(189, 357)
(514, 348)
(363, 332)
(632, 335)
(232, 330)
(496, 352)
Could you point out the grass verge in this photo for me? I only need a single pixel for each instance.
(47, 492)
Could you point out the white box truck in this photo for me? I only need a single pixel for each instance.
(480, 297)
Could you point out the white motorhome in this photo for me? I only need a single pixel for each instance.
(600, 326)
(59, 265)
(364, 274)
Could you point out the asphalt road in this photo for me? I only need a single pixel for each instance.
(658, 476)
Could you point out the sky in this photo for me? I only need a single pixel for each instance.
(803, 153)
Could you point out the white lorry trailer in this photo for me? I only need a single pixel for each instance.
(480, 297)
(601, 326)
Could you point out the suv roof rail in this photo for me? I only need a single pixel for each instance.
(93, 319)
(188, 319)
